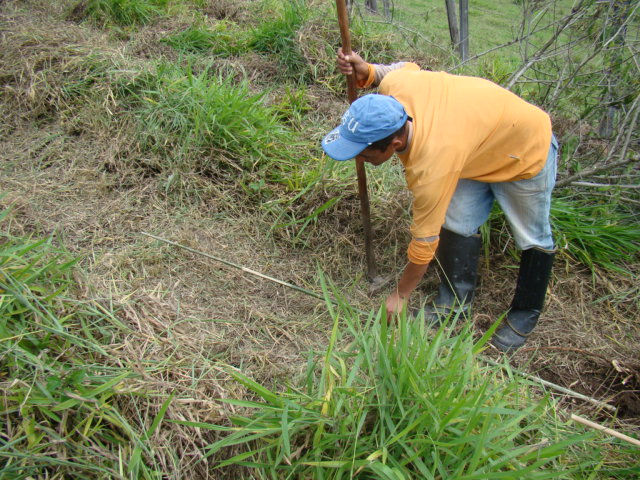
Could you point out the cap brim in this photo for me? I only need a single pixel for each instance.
(339, 148)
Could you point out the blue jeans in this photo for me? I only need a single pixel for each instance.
(525, 203)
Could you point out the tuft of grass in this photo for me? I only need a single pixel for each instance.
(278, 37)
(399, 403)
(292, 106)
(202, 121)
(122, 12)
(223, 40)
(596, 233)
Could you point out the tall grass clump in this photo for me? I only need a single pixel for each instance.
(596, 233)
(59, 412)
(122, 12)
(278, 36)
(399, 402)
(204, 121)
(222, 40)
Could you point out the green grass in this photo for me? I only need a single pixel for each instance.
(597, 234)
(61, 387)
(399, 402)
(223, 40)
(383, 402)
(194, 120)
(278, 38)
(124, 12)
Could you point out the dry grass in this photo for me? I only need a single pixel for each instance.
(184, 314)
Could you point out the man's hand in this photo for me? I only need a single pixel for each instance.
(395, 304)
(353, 62)
(410, 278)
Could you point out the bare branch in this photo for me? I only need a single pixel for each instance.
(631, 127)
(568, 19)
(604, 185)
(598, 169)
(411, 31)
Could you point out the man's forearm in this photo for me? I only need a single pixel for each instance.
(410, 278)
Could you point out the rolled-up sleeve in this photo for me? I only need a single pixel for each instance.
(421, 251)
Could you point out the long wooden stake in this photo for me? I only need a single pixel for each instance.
(464, 30)
(343, 20)
(606, 430)
(454, 33)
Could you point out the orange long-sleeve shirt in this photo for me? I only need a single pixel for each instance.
(463, 127)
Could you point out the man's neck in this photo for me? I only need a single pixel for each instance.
(406, 140)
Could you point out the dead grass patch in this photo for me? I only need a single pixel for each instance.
(226, 9)
(47, 66)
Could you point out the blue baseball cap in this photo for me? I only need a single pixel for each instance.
(369, 119)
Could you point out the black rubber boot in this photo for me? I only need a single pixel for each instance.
(458, 259)
(527, 303)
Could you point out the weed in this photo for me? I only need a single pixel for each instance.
(398, 403)
(223, 40)
(59, 408)
(293, 106)
(122, 12)
(596, 233)
(494, 68)
(185, 116)
(279, 37)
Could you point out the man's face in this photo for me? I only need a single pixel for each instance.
(376, 157)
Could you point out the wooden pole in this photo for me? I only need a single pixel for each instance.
(453, 23)
(464, 30)
(343, 20)
(606, 430)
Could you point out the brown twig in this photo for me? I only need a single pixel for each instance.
(567, 349)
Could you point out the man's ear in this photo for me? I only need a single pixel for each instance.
(396, 143)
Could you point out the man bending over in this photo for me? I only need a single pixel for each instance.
(464, 142)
